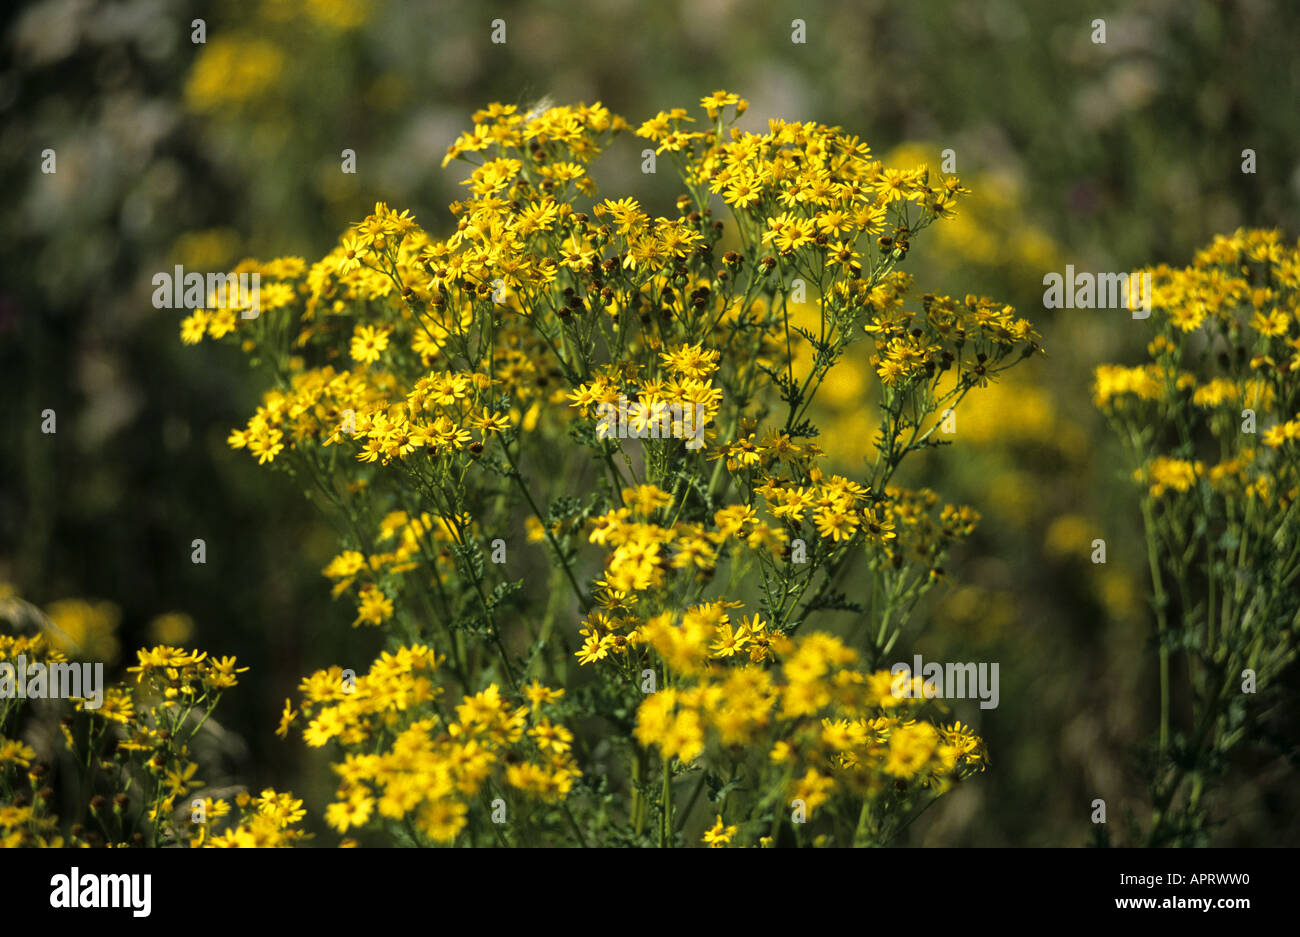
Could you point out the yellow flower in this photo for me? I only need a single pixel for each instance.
(194, 326)
(15, 753)
(910, 748)
(539, 695)
(375, 608)
(287, 719)
(1164, 474)
(720, 835)
(368, 342)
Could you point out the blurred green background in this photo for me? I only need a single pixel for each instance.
(1107, 157)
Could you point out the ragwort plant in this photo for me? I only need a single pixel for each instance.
(1218, 504)
(128, 760)
(450, 402)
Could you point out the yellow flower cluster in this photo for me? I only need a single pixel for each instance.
(1221, 380)
(830, 729)
(133, 741)
(1241, 293)
(643, 550)
(1164, 474)
(265, 822)
(24, 821)
(659, 375)
(428, 770)
(401, 543)
(645, 554)
(153, 717)
(26, 814)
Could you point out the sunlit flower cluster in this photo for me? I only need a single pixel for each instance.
(134, 743)
(427, 771)
(1210, 425)
(447, 400)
